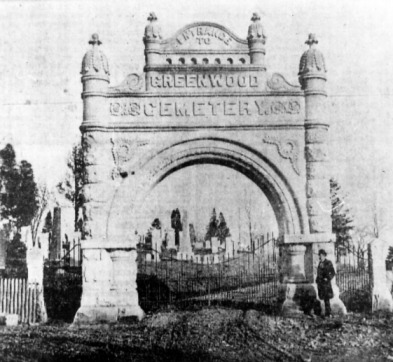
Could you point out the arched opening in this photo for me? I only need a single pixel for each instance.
(155, 168)
(201, 190)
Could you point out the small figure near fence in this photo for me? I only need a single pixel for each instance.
(325, 274)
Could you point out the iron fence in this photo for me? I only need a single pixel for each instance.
(353, 279)
(249, 277)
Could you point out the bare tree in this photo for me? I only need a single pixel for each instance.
(250, 212)
(43, 199)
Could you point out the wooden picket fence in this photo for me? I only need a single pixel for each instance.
(18, 297)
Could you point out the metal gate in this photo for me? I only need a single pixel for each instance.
(249, 277)
(353, 279)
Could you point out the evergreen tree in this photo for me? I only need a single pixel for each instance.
(222, 228)
(156, 224)
(19, 190)
(71, 186)
(176, 224)
(9, 179)
(27, 204)
(212, 227)
(48, 223)
(341, 219)
(15, 262)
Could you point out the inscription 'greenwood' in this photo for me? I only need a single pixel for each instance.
(200, 108)
(204, 81)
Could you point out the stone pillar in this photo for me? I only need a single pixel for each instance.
(152, 41)
(381, 295)
(156, 241)
(108, 265)
(185, 241)
(301, 293)
(312, 77)
(95, 79)
(296, 273)
(171, 239)
(124, 271)
(294, 286)
(35, 278)
(256, 41)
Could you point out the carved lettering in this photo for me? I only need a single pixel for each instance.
(204, 34)
(198, 109)
(216, 80)
(191, 80)
(180, 80)
(149, 109)
(213, 107)
(203, 80)
(206, 81)
(166, 108)
(182, 110)
(168, 81)
(230, 108)
(244, 108)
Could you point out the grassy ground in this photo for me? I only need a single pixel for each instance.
(210, 334)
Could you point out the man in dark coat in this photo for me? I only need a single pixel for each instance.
(325, 274)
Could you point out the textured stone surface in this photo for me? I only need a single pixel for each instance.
(205, 97)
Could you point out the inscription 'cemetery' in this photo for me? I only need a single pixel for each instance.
(199, 108)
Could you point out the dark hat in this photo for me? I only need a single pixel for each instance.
(321, 251)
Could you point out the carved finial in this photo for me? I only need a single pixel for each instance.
(152, 17)
(95, 40)
(255, 17)
(312, 60)
(312, 39)
(152, 30)
(95, 61)
(255, 30)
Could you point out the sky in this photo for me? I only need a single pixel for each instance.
(43, 43)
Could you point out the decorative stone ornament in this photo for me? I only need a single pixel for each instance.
(204, 97)
(256, 40)
(152, 30)
(255, 30)
(312, 60)
(95, 62)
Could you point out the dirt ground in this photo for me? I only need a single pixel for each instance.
(211, 334)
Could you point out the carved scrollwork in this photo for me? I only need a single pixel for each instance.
(123, 151)
(133, 82)
(287, 149)
(278, 83)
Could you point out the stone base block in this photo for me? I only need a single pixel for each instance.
(303, 298)
(336, 304)
(298, 298)
(106, 314)
(382, 300)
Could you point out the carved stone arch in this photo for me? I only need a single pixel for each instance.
(133, 190)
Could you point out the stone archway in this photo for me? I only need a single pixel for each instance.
(204, 97)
